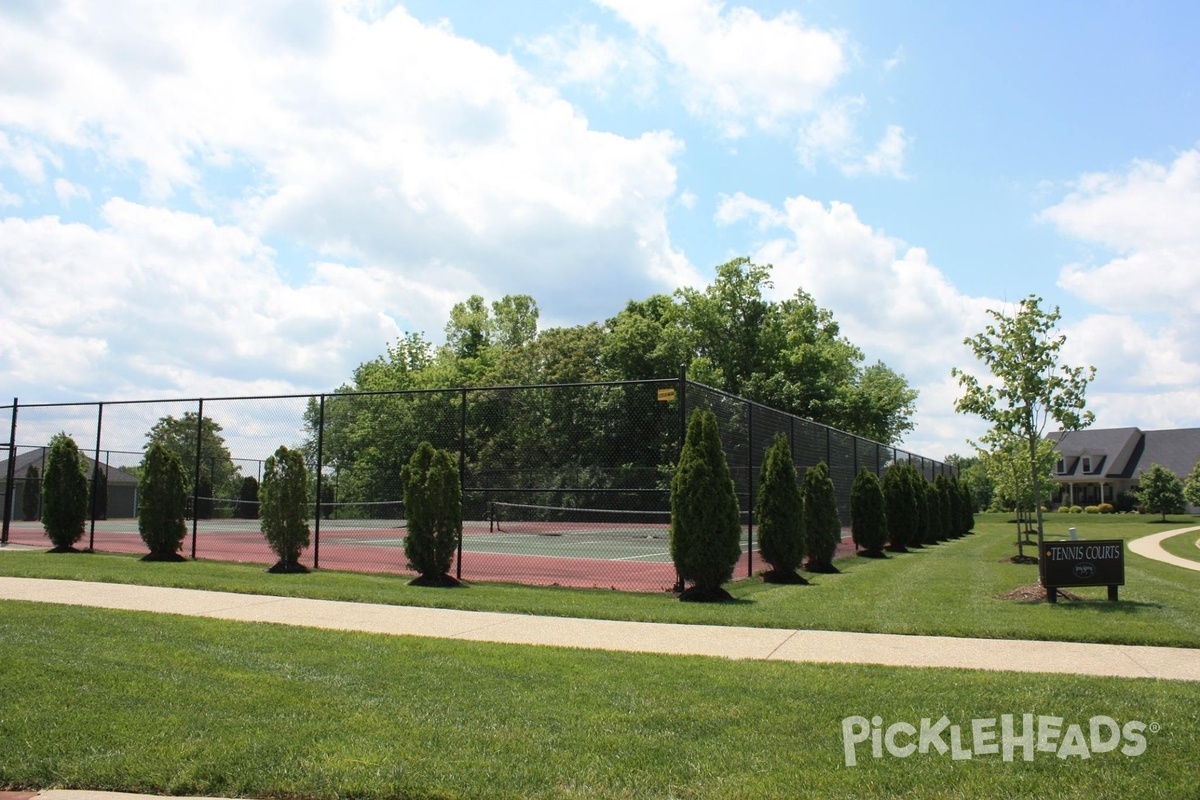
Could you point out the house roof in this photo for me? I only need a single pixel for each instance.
(36, 457)
(1177, 450)
(1125, 453)
(1112, 451)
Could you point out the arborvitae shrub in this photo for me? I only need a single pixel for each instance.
(966, 504)
(433, 507)
(822, 527)
(706, 526)
(98, 494)
(204, 499)
(64, 494)
(868, 517)
(901, 508)
(31, 495)
(162, 502)
(920, 498)
(283, 506)
(780, 514)
(949, 504)
(247, 507)
(933, 500)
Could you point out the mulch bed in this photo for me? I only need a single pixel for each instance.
(1035, 591)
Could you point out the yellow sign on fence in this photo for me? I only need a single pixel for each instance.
(666, 395)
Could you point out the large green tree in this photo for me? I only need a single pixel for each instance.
(179, 435)
(789, 355)
(1032, 386)
(645, 340)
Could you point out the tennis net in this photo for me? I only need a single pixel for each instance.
(561, 520)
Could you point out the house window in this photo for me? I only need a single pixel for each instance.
(1061, 467)
(1087, 464)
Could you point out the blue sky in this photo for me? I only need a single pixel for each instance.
(228, 198)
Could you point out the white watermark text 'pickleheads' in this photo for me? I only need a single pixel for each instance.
(1008, 737)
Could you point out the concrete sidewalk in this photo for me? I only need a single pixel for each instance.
(1151, 547)
(768, 644)
(85, 794)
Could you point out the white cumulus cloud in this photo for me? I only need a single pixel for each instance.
(1148, 218)
(734, 67)
(885, 294)
(278, 190)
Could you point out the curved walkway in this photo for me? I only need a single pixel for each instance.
(1151, 547)
(768, 644)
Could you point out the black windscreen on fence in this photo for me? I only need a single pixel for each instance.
(561, 484)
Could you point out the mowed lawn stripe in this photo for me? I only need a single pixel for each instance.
(140, 702)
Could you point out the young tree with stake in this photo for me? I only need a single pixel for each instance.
(1022, 351)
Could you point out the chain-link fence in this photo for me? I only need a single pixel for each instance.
(562, 484)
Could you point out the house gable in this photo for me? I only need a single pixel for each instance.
(1096, 453)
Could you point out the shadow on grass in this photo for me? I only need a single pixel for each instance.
(1109, 607)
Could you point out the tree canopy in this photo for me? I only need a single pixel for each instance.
(787, 354)
(790, 354)
(178, 434)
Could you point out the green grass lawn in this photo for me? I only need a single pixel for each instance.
(161, 704)
(952, 589)
(1183, 545)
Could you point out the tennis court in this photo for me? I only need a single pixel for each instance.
(603, 557)
(517, 543)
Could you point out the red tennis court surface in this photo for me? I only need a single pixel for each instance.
(536, 560)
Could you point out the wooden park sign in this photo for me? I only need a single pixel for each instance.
(1098, 562)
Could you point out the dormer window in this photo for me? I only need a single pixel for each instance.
(1087, 464)
(1061, 467)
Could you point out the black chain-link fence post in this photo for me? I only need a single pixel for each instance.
(196, 472)
(682, 400)
(462, 478)
(10, 489)
(749, 490)
(96, 477)
(320, 487)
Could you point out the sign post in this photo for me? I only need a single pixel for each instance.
(1098, 562)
